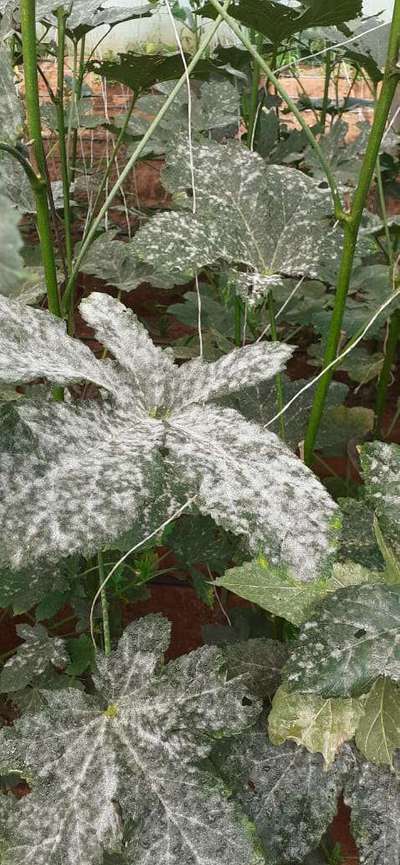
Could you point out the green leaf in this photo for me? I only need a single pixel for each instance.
(278, 21)
(101, 782)
(92, 470)
(274, 589)
(381, 470)
(259, 661)
(113, 261)
(237, 221)
(378, 734)
(392, 569)
(351, 641)
(81, 652)
(50, 605)
(319, 725)
(357, 541)
(32, 698)
(21, 590)
(342, 426)
(140, 72)
(32, 658)
(373, 795)
(197, 539)
(287, 791)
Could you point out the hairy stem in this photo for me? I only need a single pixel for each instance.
(289, 102)
(352, 227)
(104, 605)
(134, 158)
(28, 27)
(61, 136)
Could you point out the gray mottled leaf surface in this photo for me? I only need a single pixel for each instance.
(130, 756)
(260, 661)
(21, 590)
(11, 117)
(381, 471)
(32, 658)
(287, 791)
(373, 795)
(353, 639)
(11, 263)
(91, 470)
(271, 219)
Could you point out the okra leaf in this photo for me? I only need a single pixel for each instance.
(112, 261)
(287, 791)
(353, 638)
(125, 763)
(283, 593)
(11, 115)
(271, 219)
(320, 725)
(381, 471)
(21, 590)
(11, 262)
(378, 734)
(259, 661)
(32, 658)
(373, 794)
(90, 471)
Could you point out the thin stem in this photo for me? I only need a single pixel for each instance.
(325, 100)
(290, 103)
(280, 394)
(114, 154)
(382, 204)
(255, 86)
(78, 82)
(352, 227)
(61, 136)
(104, 605)
(28, 27)
(392, 342)
(133, 159)
(238, 322)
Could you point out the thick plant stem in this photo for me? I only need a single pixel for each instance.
(28, 27)
(104, 605)
(263, 65)
(392, 342)
(352, 227)
(132, 161)
(61, 136)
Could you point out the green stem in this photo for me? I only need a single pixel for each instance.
(385, 376)
(104, 606)
(114, 154)
(382, 205)
(352, 227)
(280, 394)
(133, 159)
(255, 86)
(28, 27)
(238, 322)
(290, 103)
(78, 82)
(61, 136)
(325, 101)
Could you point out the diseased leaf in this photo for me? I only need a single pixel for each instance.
(237, 220)
(11, 263)
(274, 589)
(85, 15)
(21, 590)
(357, 539)
(287, 791)
(32, 699)
(342, 427)
(352, 639)
(373, 795)
(381, 470)
(129, 758)
(32, 658)
(113, 261)
(140, 72)
(11, 117)
(92, 470)
(320, 725)
(197, 539)
(378, 734)
(259, 661)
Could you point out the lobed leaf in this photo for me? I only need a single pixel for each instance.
(32, 658)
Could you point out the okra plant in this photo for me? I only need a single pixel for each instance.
(130, 459)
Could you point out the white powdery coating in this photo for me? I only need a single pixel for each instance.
(381, 470)
(95, 763)
(272, 219)
(253, 485)
(32, 657)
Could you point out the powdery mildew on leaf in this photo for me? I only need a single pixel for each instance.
(259, 661)
(21, 590)
(353, 638)
(272, 219)
(320, 725)
(32, 658)
(381, 471)
(131, 756)
(90, 471)
(287, 791)
(378, 734)
(11, 116)
(373, 795)
(11, 262)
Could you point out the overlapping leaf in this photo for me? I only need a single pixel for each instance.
(378, 734)
(259, 661)
(21, 590)
(11, 263)
(353, 639)
(96, 469)
(127, 761)
(273, 220)
(320, 725)
(11, 117)
(381, 470)
(32, 658)
(287, 791)
(373, 795)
